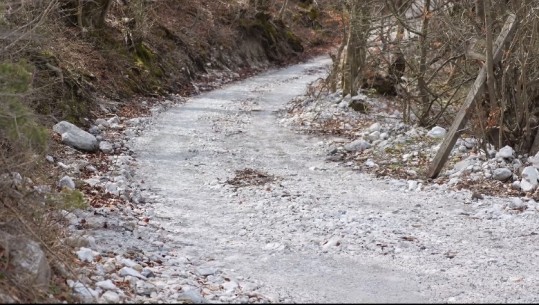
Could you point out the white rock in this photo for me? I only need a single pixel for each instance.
(526, 186)
(529, 175)
(412, 185)
(437, 132)
(110, 297)
(374, 127)
(106, 285)
(86, 255)
(505, 152)
(87, 294)
(126, 271)
(370, 163)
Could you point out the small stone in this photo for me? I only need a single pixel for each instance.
(106, 147)
(110, 297)
(126, 271)
(502, 174)
(49, 158)
(147, 273)
(206, 271)
(143, 288)
(370, 163)
(374, 127)
(437, 132)
(191, 296)
(505, 152)
(357, 145)
(106, 285)
(86, 254)
(66, 182)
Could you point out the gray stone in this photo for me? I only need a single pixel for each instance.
(66, 182)
(126, 271)
(28, 260)
(517, 203)
(502, 174)
(110, 297)
(94, 130)
(102, 122)
(106, 285)
(114, 120)
(106, 147)
(147, 273)
(505, 152)
(373, 136)
(357, 145)
(191, 296)
(87, 294)
(143, 288)
(75, 137)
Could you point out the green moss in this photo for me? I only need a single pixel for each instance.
(71, 200)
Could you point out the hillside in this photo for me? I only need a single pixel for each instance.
(63, 60)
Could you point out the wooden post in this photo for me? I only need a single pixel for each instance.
(477, 89)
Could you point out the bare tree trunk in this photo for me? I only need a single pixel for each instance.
(490, 67)
(357, 45)
(422, 84)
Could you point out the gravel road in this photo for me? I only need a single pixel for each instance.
(244, 195)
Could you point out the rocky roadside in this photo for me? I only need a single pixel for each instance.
(124, 256)
(374, 139)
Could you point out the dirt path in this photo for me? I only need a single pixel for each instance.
(249, 197)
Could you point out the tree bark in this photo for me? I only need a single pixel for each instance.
(490, 67)
(356, 51)
(422, 84)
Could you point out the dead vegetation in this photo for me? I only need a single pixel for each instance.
(428, 53)
(250, 177)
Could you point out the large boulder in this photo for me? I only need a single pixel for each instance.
(76, 137)
(29, 262)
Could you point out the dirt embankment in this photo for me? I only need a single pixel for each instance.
(166, 46)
